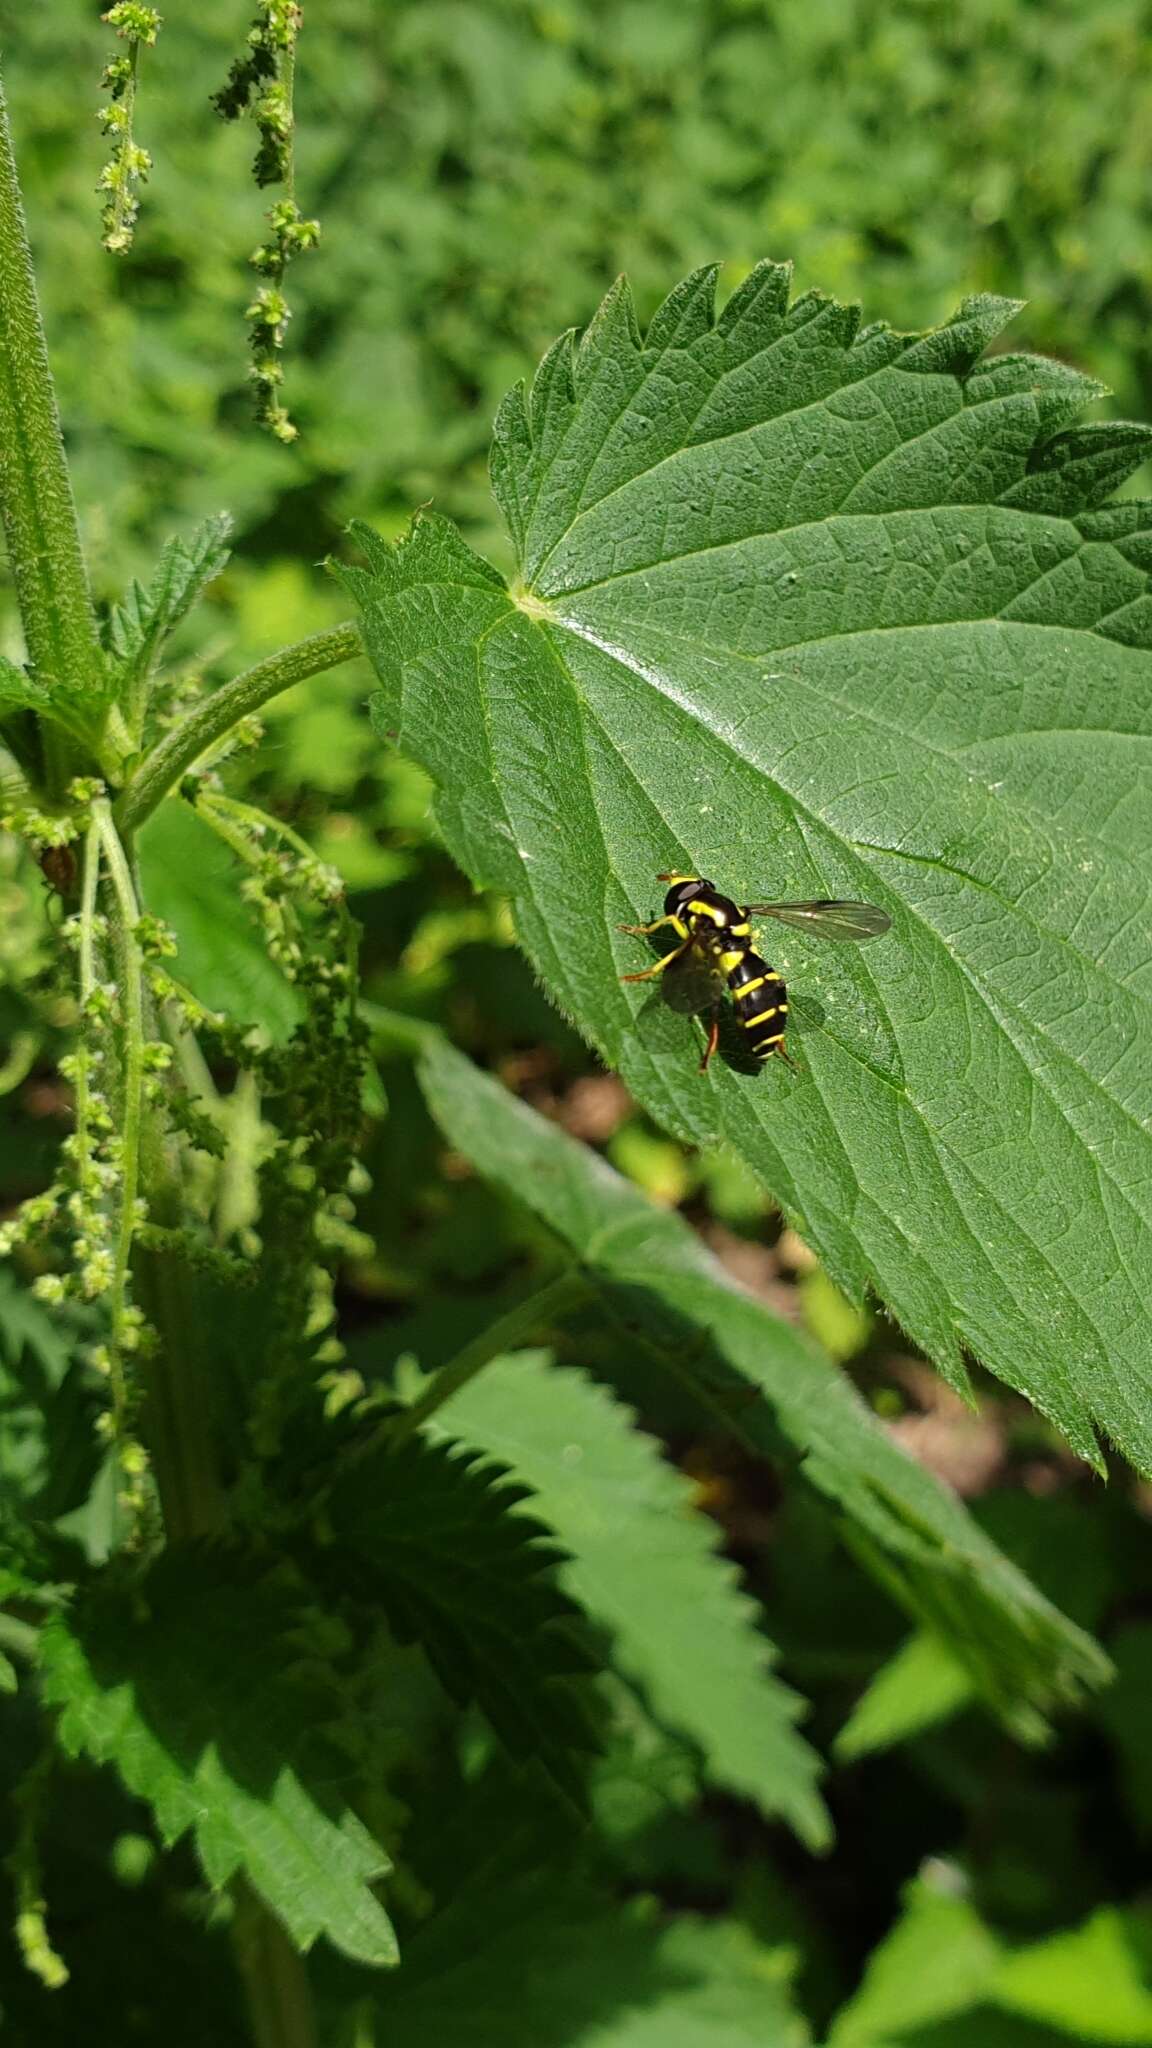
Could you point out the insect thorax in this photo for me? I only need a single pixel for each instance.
(709, 915)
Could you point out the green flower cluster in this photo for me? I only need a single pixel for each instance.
(260, 83)
(129, 166)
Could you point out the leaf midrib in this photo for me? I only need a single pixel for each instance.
(684, 704)
(935, 1139)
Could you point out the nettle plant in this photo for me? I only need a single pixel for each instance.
(811, 608)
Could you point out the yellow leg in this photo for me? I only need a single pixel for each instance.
(642, 929)
(650, 973)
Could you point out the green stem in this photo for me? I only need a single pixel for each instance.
(392, 1030)
(275, 1976)
(191, 1064)
(288, 82)
(130, 977)
(257, 821)
(538, 1312)
(177, 1418)
(237, 1190)
(238, 841)
(211, 721)
(36, 503)
(30, 1801)
(87, 971)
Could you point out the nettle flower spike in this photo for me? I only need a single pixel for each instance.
(129, 165)
(260, 84)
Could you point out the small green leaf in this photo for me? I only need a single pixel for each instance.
(428, 1534)
(235, 1756)
(191, 880)
(820, 610)
(28, 1332)
(938, 1960)
(940, 1963)
(921, 1685)
(19, 691)
(642, 1560)
(1094, 1982)
(142, 622)
(80, 712)
(48, 1453)
(752, 1372)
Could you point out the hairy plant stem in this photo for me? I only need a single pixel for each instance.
(130, 980)
(257, 821)
(177, 1418)
(213, 720)
(36, 503)
(527, 1319)
(179, 1431)
(87, 983)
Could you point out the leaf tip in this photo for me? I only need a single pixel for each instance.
(612, 331)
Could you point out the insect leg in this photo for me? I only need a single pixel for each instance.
(713, 1037)
(650, 973)
(656, 926)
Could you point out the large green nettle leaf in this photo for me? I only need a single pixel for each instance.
(681, 1627)
(821, 610)
(429, 1535)
(750, 1371)
(187, 1684)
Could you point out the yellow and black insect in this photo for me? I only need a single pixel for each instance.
(718, 932)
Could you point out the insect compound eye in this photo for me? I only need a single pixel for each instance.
(679, 894)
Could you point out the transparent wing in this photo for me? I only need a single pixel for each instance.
(828, 918)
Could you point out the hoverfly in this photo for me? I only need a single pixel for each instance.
(718, 932)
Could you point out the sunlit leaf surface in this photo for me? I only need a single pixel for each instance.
(821, 610)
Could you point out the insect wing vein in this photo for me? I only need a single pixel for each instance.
(828, 919)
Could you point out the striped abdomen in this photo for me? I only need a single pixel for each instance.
(760, 1000)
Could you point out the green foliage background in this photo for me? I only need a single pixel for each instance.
(482, 171)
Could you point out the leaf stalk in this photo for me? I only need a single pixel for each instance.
(210, 722)
(537, 1312)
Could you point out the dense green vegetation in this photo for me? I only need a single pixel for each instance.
(725, 1721)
